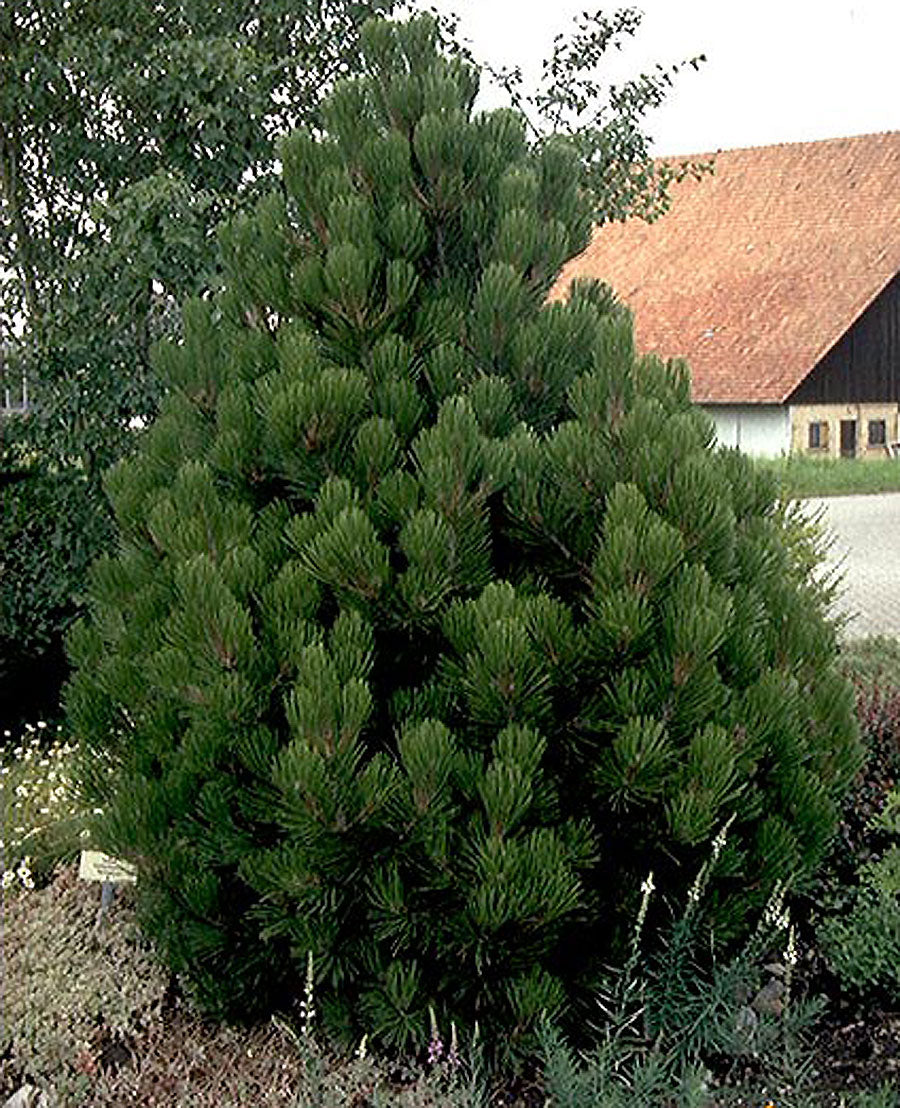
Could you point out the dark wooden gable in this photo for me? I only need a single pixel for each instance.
(863, 366)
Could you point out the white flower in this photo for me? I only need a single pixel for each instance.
(719, 841)
(41, 724)
(772, 911)
(7, 879)
(696, 890)
(790, 954)
(21, 790)
(648, 885)
(307, 1005)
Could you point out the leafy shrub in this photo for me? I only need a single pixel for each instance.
(878, 712)
(857, 896)
(435, 621)
(51, 528)
(860, 935)
(873, 666)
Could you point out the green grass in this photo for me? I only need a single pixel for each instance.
(801, 476)
(873, 659)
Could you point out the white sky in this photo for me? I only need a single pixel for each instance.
(776, 70)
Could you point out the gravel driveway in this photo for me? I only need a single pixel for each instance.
(866, 532)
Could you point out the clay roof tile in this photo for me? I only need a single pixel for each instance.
(758, 268)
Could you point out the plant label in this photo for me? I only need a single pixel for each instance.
(97, 866)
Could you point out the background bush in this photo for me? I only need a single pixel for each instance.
(873, 667)
(50, 531)
(435, 622)
(857, 895)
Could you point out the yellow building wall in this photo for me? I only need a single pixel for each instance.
(802, 415)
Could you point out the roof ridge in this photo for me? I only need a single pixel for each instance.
(776, 145)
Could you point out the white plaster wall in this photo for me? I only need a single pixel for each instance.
(760, 429)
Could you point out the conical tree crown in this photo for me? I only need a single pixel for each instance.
(436, 622)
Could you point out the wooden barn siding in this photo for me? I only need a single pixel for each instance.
(864, 364)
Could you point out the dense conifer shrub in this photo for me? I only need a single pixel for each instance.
(436, 622)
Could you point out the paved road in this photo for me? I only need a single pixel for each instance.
(866, 532)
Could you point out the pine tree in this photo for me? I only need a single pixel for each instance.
(436, 621)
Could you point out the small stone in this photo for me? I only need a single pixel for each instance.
(28, 1097)
(22, 1099)
(769, 999)
(745, 1022)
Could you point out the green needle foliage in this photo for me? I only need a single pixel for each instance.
(435, 621)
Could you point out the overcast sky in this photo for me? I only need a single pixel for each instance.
(776, 70)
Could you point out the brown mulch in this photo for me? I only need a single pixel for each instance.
(859, 1049)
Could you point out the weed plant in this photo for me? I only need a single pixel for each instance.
(685, 1028)
(71, 990)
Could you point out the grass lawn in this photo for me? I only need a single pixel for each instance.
(801, 476)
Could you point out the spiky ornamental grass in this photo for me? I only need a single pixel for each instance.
(436, 622)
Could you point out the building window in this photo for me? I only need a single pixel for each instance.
(877, 433)
(818, 436)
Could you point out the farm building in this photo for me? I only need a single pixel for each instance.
(777, 277)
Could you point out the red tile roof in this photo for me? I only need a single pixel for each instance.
(758, 269)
